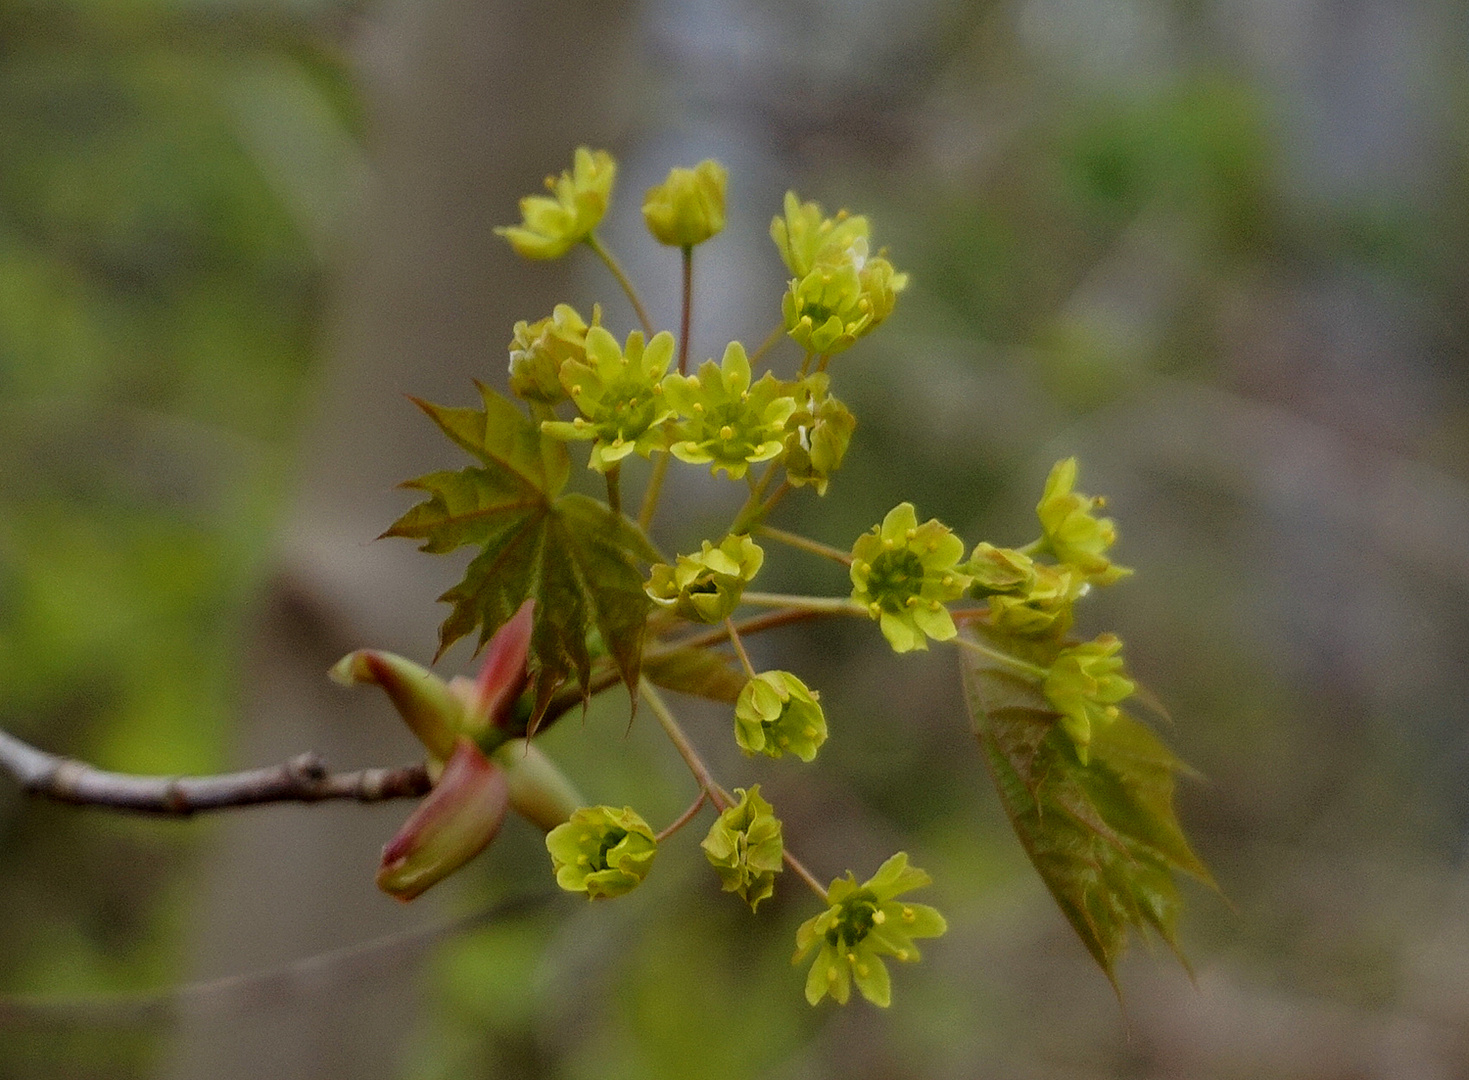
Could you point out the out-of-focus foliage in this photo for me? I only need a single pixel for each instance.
(167, 171)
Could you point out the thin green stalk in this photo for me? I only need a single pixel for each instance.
(751, 510)
(623, 280)
(717, 795)
(1014, 662)
(769, 343)
(614, 489)
(688, 307)
(739, 646)
(835, 605)
(771, 503)
(654, 489)
(815, 547)
(684, 818)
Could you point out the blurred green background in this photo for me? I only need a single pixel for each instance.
(1215, 249)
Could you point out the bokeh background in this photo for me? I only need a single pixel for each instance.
(1216, 248)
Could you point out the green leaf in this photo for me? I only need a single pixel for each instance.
(704, 673)
(1103, 837)
(581, 563)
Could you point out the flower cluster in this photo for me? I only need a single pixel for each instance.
(1084, 685)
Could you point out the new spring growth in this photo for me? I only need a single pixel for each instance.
(602, 851)
(864, 924)
(538, 350)
(744, 846)
(1085, 685)
(706, 587)
(554, 224)
(1026, 598)
(840, 292)
(1072, 532)
(777, 713)
(817, 434)
(619, 393)
(688, 207)
(727, 423)
(904, 573)
(479, 771)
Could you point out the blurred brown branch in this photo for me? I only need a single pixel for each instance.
(304, 778)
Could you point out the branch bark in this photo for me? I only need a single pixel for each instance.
(305, 778)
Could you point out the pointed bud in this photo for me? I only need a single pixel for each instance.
(539, 791)
(502, 677)
(451, 825)
(428, 705)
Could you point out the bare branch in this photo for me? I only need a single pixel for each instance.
(305, 778)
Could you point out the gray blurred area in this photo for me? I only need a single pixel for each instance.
(1215, 249)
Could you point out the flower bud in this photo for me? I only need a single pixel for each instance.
(818, 434)
(776, 713)
(433, 710)
(602, 851)
(452, 824)
(1084, 685)
(744, 846)
(489, 700)
(554, 224)
(688, 207)
(706, 587)
(538, 350)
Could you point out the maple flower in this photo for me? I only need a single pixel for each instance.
(619, 392)
(602, 851)
(688, 207)
(845, 296)
(727, 423)
(1085, 684)
(775, 713)
(864, 924)
(1072, 532)
(745, 848)
(554, 224)
(904, 573)
(706, 587)
(804, 234)
(538, 350)
(817, 434)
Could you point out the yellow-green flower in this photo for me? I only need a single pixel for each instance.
(706, 587)
(1084, 685)
(602, 851)
(817, 434)
(554, 224)
(804, 234)
(727, 423)
(777, 713)
(846, 296)
(744, 846)
(688, 207)
(864, 924)
(1043, 608)
(904, 573)
(619, 393)
(1072, 532)
(538, 350)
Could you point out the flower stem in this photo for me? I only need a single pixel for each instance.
(769, 343)
(739, 646)
(717, 795)
(654, 489)
(614, 489)
(623, 280)
(684, 818)
(834, 605)
(794, 540)
(1013, 662)
(752, 509)
(688, 306)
